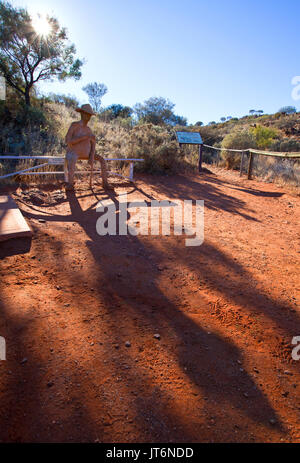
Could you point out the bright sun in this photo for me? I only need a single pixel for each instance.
(41, 25)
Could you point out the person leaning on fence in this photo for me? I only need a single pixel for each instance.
(81, 143)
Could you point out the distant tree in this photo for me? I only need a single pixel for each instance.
(287, 110)
(96, 92)
(260, 111)
(252, 111)
(30, 53)
(179, 120)
(212, 123)
(199, 124)
(158, 111)
(229, 118)
(68, 100)
(223, 119)
(119, 110)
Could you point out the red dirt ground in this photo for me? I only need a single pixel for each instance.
(226, 313)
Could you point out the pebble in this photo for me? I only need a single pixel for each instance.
(24, 360)
(127, 344)
(50, 384)
(157, 336)
(272, 421)
(42, 220)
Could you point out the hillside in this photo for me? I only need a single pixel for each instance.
(41, 129)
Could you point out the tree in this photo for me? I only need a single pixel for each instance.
(158, 111)
(179, 120)
(28, 55)
(95, 93)
(199, 124)
(287, 110)
(118, 110)
(68, 100)
(252, 111)
(223, 119)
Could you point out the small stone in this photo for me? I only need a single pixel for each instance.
(157, 336)
(50, 384)
(272, 421)
(24, 360)
(42, 220)
(58, 288)
(246, 395)
(67, 305)
(127, 344)
(91, 343)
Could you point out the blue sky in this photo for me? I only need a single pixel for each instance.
(211, 58)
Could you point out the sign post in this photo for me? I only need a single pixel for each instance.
(191, 138)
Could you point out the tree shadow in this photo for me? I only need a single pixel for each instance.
(205, 187)
(211, 362)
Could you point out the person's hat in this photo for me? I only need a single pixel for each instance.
(86, 108)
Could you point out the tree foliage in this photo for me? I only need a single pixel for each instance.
(27, 57)
(287, 110)
(69, 101)
(158, 111)
(118, 110)
(96, 92)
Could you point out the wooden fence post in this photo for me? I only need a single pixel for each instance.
(250, 166)
(242, 163)
(200, 157)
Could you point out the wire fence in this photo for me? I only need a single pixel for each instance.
(269, 165)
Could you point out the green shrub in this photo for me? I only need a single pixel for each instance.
(240, 139)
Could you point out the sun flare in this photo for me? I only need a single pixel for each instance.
(41, 25)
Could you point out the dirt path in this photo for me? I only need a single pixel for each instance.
(226, 313)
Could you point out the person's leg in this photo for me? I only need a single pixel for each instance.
(71, 160)
(103, 171)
